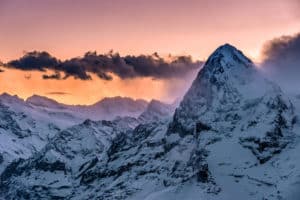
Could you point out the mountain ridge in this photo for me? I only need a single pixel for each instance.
(108, 108)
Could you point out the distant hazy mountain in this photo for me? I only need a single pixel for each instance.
(155, 111)
(42, 101)
(107, 108)
(235, 135)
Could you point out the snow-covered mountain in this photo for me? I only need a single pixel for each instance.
(41, 109)
(119, 106)
(27, 126)
(105, 109)
(229, 95)
(235, 135)
(41, 101)
(245, 123)
(21, 133)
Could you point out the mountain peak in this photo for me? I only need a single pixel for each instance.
(227, 56)
(42, 101)
(38, 97)
(227, 46)
(227, 80)
(10, 98)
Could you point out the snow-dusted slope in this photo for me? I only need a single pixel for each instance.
(41, 109)
(57, 168)
(27, 126)
(21, 134)
(234, 136)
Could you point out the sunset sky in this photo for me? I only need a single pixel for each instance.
(70, 28)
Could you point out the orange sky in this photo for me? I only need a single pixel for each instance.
(88, 92)
(70, 28)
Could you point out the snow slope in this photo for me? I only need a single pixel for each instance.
(21, 134)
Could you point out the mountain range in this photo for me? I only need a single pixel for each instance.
(27, 125)
(234, 135)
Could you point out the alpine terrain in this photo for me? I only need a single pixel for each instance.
(235, 135)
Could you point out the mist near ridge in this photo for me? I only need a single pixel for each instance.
(281, 62)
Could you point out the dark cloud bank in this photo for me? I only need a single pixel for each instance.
(282, 62)
(103, 65)
(1, 64)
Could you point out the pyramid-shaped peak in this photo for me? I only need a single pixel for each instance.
(227, 82)
(228, 47)
(228, 55)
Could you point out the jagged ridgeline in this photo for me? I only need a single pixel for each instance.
(233, 136)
